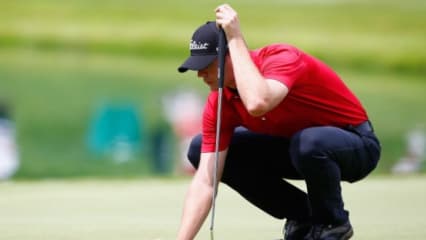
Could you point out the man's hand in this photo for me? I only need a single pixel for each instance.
(199, 196)
(227, 19)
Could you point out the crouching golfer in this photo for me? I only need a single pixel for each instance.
(285, 115)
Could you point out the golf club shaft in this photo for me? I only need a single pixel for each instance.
(221, 74)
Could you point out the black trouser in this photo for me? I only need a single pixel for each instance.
(257, 164)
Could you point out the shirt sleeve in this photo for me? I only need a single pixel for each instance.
(281, 62)
(209, 124)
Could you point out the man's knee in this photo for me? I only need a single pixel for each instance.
(194, 151)
(307, 149)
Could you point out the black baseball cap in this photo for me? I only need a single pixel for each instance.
(203, 47)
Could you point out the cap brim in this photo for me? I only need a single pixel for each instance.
(196, 63)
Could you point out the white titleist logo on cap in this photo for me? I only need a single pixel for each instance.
(194, 45)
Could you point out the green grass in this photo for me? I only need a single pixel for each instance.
(380, 35)
(60, 60)
(150, 209)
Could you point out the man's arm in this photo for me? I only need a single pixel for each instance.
(258, 94)
(199, 196)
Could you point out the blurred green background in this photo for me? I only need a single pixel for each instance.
(59, 60)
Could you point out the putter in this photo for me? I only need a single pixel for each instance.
(221, 74)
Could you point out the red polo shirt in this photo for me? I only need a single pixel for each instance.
(316, 97)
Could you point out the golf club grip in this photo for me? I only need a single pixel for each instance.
(221, 56)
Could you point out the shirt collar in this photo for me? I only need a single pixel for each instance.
(230, 93)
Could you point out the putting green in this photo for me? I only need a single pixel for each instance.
(381, 208)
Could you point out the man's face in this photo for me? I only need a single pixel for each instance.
(209, 74)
